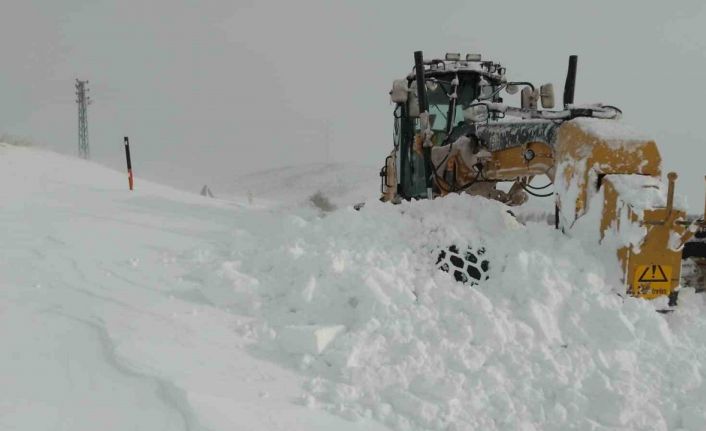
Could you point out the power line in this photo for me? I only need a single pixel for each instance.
(83, 101)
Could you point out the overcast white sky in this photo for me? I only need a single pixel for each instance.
(210, 90)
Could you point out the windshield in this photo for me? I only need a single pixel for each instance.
(466, 96)
(438, 92)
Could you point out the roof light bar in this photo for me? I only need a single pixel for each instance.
(453, 56)
(472, 57)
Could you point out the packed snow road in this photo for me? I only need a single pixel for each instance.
(163, 310)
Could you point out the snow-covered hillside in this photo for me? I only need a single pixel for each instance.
(105, 320)
(340, 184)
(158, 309)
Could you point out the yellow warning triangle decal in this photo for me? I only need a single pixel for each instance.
(653, 274)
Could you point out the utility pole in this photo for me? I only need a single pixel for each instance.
(83, 101)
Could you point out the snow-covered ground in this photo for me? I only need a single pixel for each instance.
(105, 320)
(158, 309)
(341, 184)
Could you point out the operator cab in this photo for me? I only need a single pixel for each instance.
(452, 86)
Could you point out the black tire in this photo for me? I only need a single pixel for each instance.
(469, 267)
(694, 249)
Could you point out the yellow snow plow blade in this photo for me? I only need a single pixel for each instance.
(600, 165)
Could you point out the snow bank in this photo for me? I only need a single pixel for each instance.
(546, 343)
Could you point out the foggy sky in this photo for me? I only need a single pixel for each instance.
(210, 90)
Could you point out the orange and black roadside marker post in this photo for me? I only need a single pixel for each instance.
(129, 164)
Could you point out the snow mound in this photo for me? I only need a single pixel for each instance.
(546, 343)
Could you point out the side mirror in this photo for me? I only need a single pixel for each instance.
(546, 92)
(399, 93)
(476, 114)
(529, 98)
(511, 88)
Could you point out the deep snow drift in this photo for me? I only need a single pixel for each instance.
(168, 311)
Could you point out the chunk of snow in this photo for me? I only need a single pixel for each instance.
(643, 192)
(308, 339)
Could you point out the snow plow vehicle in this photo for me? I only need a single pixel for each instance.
(454, 134)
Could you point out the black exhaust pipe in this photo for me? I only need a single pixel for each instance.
(421, 88)
(570, 83)
(423, 108)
